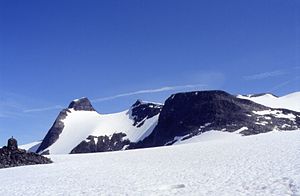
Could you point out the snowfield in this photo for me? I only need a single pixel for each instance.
(264, 164)
(290, 101)
(31, 147)
(85, 123)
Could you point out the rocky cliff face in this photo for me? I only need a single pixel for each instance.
(12, 156)
(54, 132)
(185, 115)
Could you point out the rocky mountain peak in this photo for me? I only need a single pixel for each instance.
(82, 104)
(137, 103)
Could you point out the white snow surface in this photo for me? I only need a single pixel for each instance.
(31, 147)
(290, 101)
(210, 136)
(78, 125)
(264, 164)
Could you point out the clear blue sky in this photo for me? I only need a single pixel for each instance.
(52, 52)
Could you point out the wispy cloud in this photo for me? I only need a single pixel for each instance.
(9, 114)
(265, 75)
(11, 104)
(43, 109)
(283, 84)
(139, 92)
(279, 86)
(146, 91)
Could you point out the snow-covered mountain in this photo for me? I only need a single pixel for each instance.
(290, 101)
(31, 147)
(81, 129)
(189, 114)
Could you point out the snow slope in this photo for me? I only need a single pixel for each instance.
(78, 125)
(290, 101)
(264, 164)
(210, 136)
(31, 147)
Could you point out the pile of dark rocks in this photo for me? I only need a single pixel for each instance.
(12, 156)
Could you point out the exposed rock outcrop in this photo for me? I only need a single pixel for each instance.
(102, 144)
(141, 111)
(82, 104)
(12, 156)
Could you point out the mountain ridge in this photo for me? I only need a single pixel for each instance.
(81, 129)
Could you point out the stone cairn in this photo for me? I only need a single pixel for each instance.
(12, 144)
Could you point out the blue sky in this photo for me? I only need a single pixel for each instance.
(116, 51)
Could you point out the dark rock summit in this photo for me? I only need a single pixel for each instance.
(12, 156)
(188, 114)
(82, 104)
